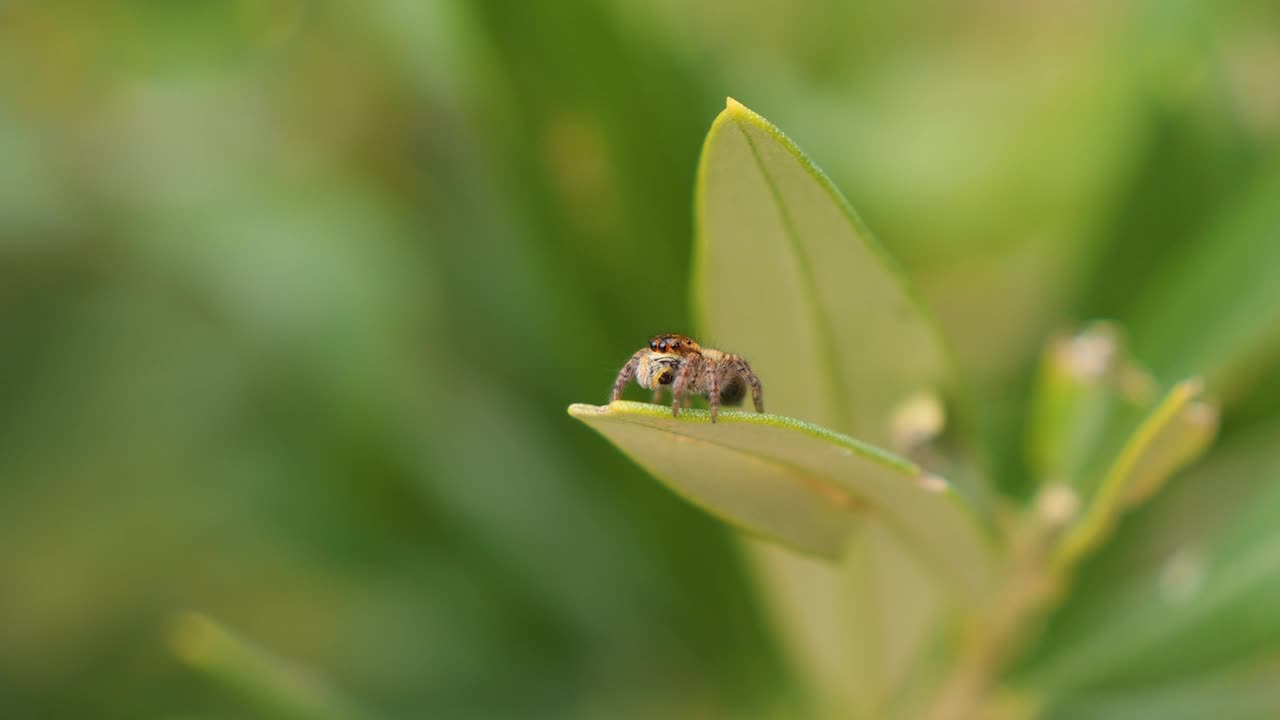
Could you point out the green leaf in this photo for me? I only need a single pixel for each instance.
(1208, 606)
(1089, 396)
(274, 687)
(787, 275)
(1157, 562)
(1176, 432)
(1218, 311)
(853, 632)
(1183, 440)
(800, 484)
(891, 606)
(1206, 601)
(1247, 694)
(1196, 507)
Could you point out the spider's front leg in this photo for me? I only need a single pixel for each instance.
(687, 370)
(625, 375)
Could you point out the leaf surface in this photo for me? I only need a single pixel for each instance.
(1205, 602)
(799, 484)
(787, 275)
(1217, 311)
(1176, 432)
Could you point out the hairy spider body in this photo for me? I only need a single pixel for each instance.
(690, 369)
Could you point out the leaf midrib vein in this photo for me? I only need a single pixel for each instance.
(838, 395)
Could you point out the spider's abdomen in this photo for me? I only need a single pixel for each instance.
(733, 393)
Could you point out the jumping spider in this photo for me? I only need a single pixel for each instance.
(686, 366)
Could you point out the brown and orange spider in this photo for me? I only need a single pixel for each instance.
(686, 366)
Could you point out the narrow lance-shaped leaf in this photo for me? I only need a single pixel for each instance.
(1089, 396)
(1185, 439)
(1208, 607)
(1217, 312)
(799, 484)
(1248, 693)
(274, 687)
(1206, 600)
(1174, 434)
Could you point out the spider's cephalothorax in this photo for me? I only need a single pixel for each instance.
(690, 369)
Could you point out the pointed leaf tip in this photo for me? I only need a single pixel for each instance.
(1177, 431)
(788, 276)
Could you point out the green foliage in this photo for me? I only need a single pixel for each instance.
(783, 264)
(1177, 431)
(800, 484)
(273, 687)
(784, 270)
(293, 295)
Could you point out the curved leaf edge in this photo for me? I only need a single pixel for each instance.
(910, 471)
(1104, 512)
(737, 112)
(585, 412)
(699, 416)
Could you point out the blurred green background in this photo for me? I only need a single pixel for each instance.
(293, 295)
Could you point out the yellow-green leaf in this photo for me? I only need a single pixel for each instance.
(799, 484)
(1217, 311)
(273, 686)
(1176, 432)
(1192, 590)
(787, 275)
(1089, 395)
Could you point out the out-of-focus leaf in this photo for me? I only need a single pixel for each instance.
(804, 597)
(1196, 507)
(853, 632)
(882, 581)
(275, 688)
(1207, 605)
(1088, 392)
(1071, 402)
(1248, 694)
(1162, 540)
(800, 484)
(1174, 434)
(1187, 436)
(1218, 312)
(787, 274)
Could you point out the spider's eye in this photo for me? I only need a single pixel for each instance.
(675, 344)
(653, 344)
(662, 345)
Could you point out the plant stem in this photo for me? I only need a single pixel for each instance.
(1000, 630)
